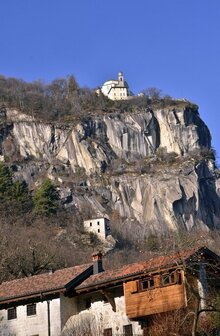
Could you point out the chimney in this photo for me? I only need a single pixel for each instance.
(97, 263)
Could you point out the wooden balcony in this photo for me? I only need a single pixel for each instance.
(156, 294)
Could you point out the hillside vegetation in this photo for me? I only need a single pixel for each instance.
(63, 100)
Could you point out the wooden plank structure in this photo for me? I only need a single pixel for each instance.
(154, 294)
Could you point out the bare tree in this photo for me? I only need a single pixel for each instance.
(84, 324)
(153, 93)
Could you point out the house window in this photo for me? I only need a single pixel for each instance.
(146, 284)
(90, 223)
(127, 330)
(98, 230)
(178, 278)
(88, 303)
(98, 223)
(108, 332)
(31, 309)
(12, 313)
(105, 300)
(168, 279)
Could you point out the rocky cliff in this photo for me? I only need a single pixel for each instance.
(147, 164)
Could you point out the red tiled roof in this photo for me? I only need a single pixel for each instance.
(130, 270)
(40, 283)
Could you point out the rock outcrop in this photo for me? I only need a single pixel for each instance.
(163, 195)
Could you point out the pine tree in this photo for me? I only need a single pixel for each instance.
(46, 199)
(21, 196)
(14, 195)
(6, 182)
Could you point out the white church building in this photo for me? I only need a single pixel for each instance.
(117, 89)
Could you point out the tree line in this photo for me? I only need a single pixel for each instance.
(60, 100)
(63, 100)
(44, 201)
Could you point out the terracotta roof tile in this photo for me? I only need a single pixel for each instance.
(40, 283)
(153, 264)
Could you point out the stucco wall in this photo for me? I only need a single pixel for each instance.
(37, 324)
(118, 93)
(104, 315)
(115, 320)
(115, 90)
(99, 227)
(68, 307)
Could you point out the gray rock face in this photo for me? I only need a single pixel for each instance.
(96, 142)
(170, 199)
(167, 198)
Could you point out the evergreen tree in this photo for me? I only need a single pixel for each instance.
(14, 195)
(6, 182)
(46, 199)
(21, 196)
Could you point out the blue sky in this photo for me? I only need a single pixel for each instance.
(170, 44)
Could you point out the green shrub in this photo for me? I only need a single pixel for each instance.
(166, 157)
(153, 243)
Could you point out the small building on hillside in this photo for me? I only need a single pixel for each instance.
(99, 226)
(117, 89)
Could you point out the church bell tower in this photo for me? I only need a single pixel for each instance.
(120, 78)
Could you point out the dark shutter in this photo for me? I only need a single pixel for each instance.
(31, 309)
(108, 332)
(127, 329)
(12, 313)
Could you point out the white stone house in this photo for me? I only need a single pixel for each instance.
(38, 305)
(117, 89)
(99, 226)
(116, 302)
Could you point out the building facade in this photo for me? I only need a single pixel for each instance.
(107, 303)
(99, 226)
(38, 305)
(117, 89)
(31, 319)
